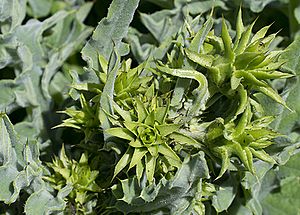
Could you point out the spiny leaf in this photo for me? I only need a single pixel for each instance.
(243, 100)
(199, 38)
(123, 133)
(202, 59)
(272, 94)
(167, 151)
(244, 40)
(141, 110)
(260, 34)
(106, 104)
(202, 93)
(261, 154)
(227, 41)
(150, 163)
(184, 139)
(123, 162)
(250, 78)
(271, 75)
(167, 129)
(243, 122)
(224, 154)
(137, 157)
(239, 28)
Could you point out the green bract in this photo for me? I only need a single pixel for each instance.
(79, 176)
(229, 76)
(246, 141)
(242, 66)
(147, 134)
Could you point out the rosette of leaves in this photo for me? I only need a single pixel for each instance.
(84, 118)
(185, 193)
(147, 136)
(229, 74)
(242, 67)
(246, 140)
(128, 83)
(79, 175)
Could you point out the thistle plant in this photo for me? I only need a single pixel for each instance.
(245, 141)
(185, 117)
(82, 119)
(79, 176)
(229, 74)
(146, 136)
(241, 67)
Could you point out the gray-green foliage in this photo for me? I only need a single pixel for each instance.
(288, 177)
(287, 121)
(34, 51)
(163, 25)
(35, 58)
(109, 33)
(181, 195)
(189, 117)
(22, 170)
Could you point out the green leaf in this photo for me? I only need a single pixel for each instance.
(170, 154)
(201, 93)
(123, 162)
(225, 195)
(250, 78)
(12, 13)
(150, 163)
(167, 129)
(184, 139)
(106, 100)
(199, 38)
(224, 154)
(243, 122)
(278, 202)
(109, 33)
(176, 192)
(227, 41)
(286, 120)
(262, 155)
(273, 94)
(202, 59)
(244, 40)
(141, 110)
(150, 119)
(39, 8)
(239, 28)
(137, 157)
(161, 114)
(260, 34)
(243, 100)
(122, 133)
(182, 84)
